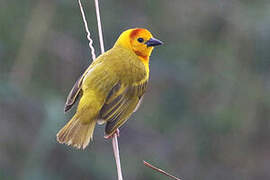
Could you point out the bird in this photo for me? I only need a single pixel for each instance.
(111, 88)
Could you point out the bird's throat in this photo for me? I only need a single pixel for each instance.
(143, 58)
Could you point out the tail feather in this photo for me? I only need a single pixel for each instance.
(76, 133)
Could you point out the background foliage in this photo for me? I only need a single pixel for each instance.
(205, 115)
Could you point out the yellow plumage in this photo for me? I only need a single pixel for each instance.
(110, 89)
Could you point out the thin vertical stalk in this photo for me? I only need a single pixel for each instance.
(99, 27)
(114, 138)
(117, 157)
(87, 31)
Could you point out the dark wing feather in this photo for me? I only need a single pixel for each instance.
(120, 104)
(76, 91)
(73, 94)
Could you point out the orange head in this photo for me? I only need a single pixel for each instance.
(140, 41)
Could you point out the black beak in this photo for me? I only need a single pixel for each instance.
(153, 42)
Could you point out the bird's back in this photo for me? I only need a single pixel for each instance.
(123, 64)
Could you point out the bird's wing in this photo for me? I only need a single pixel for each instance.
(75, 92)
(120, 104)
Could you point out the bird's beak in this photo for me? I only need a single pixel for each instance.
(153, 42)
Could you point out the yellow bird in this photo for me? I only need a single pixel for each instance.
(111, 88)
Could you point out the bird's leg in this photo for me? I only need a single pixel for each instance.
(117, 133)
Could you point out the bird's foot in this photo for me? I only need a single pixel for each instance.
(116, 133)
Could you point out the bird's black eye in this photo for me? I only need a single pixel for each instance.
(140, 40)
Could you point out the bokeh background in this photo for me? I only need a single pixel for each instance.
(205, 114)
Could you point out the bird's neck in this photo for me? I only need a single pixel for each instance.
(143, 58)
(145, 61)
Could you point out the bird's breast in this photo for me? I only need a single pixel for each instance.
(135, 72)
(129, 68)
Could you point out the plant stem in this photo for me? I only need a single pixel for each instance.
(114, 139)
(88, 32)
(160, 170)
(99, 27)
(117, 156)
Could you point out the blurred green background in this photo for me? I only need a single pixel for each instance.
(205, 114)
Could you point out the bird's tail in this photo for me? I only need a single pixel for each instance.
(76, 133)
